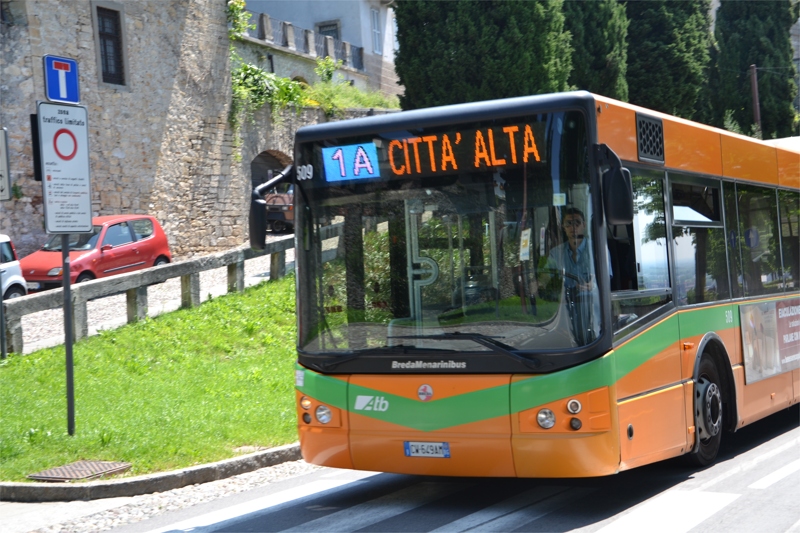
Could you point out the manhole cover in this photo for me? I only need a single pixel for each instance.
(80, 470)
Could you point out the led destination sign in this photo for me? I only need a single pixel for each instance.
(429, 155)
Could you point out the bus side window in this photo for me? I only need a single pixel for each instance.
(790, 238)
(638, 253)
(698, 235)
(758, 240)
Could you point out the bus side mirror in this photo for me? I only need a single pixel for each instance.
(618, 196)
(617, 188)
(258, 211)
(258, 224)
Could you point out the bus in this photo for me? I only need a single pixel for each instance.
(557, 285)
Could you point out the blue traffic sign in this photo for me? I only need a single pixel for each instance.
(61, 80)
(751, 237)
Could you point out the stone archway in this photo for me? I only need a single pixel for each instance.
(266, 163)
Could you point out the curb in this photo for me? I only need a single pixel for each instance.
(95, 490)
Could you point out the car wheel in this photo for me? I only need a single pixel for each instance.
(279, 226)
(86, 276)
(161, 261)
(13, 292)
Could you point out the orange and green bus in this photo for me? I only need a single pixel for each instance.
(549, 286)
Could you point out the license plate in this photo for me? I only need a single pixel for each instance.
(32, 285)
(427, 449)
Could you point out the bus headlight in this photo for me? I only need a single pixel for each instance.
(305, 403)
(546, 418)
(323, 414)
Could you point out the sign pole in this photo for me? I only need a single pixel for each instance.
(66, 190)
(68, 335)
(5, 194)
(3, 349)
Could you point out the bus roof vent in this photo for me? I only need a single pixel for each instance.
(650, 137)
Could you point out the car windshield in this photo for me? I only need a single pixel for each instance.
(494, 258)
(77, 241)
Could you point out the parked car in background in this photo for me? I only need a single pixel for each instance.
(116, 244)
(13, 282)
(280, 208)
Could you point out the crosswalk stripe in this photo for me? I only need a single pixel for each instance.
(759, 457)
(516, 511)
(795, 528)
(207, 521)
(671, 512)
(776, 476)
(533, 512)
(374, 511)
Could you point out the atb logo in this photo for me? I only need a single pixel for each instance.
(371, 403)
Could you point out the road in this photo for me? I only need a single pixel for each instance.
(754, 487)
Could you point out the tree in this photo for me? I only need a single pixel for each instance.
(668, 54)
(599, 31)
(757, 33)
(465, 51)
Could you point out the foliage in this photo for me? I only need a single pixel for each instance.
(335, 96)
(599, 38)
(184, 388)
(668, 54)
(452, 52)
(253, 87)
(326, 67)
(757, 33)
(238, 18)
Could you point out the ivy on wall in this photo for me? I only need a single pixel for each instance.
(251, 86)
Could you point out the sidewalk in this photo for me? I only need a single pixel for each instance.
(32, 506)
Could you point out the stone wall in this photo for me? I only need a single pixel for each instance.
(161, 144)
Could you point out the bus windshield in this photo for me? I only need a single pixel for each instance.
(465, 238)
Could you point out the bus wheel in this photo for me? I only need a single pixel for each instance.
(707, 413)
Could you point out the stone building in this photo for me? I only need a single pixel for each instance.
(361, 33)
(155, 80)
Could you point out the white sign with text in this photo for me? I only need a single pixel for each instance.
(64, 149)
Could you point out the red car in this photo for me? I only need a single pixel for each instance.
(116, 244)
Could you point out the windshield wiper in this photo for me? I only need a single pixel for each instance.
(486, 341)
(400, 349)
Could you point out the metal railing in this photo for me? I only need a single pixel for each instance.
(135, 285)
(276, 35)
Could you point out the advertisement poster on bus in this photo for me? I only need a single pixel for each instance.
(770, 338)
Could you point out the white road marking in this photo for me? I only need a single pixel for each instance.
(374, 511)
(748, 465)
(514, 512)
(795, 528)
(671, 512)
(776, 476)
(204, 522)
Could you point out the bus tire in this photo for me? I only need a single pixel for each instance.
(708, 414)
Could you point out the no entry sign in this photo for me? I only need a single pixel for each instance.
(64, 149)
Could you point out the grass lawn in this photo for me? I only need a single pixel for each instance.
(184, 388)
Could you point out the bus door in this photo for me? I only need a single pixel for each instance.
(451, 260)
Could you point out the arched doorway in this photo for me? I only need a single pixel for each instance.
(280, 199)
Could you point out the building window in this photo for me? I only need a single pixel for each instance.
(109, 31)
(376, 32)
(328, 29)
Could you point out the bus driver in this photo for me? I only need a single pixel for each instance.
(574, 260)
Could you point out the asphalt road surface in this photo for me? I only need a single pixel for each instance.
(753, 487)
